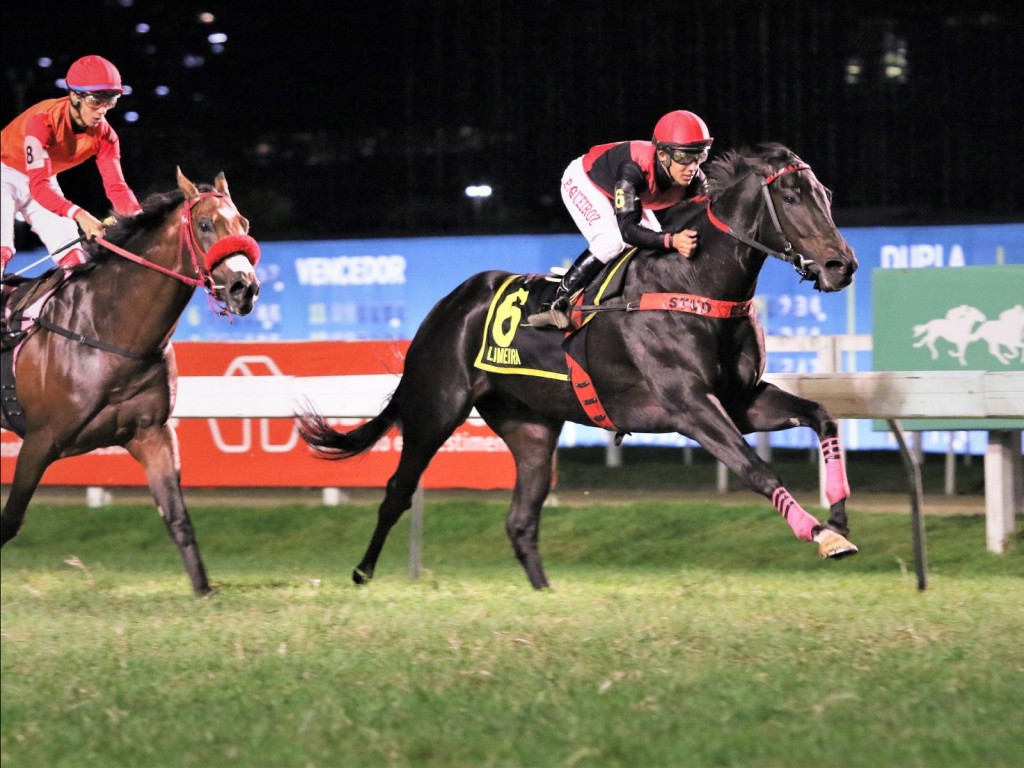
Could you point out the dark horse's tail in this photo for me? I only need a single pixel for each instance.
(328, 443)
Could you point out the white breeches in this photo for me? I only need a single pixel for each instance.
(15, 197)
(594, 214)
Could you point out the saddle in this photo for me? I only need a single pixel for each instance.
(513, 346)
(21, 302)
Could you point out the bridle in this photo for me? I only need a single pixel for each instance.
(800, 263)
(203, 261)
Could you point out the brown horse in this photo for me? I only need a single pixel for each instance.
(678, 350)
(97, 368)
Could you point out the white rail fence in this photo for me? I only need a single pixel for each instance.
(890, 396)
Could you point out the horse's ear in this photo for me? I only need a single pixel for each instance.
(186, 186)
(221, 184)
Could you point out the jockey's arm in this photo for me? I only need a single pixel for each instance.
(629, 210)
(120, 195)
(40, 170)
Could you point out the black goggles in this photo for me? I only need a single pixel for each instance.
(684, 156)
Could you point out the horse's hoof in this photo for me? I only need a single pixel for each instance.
(360, 577)
(833, 545)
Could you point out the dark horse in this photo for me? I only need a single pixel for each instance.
(678, 351)
(97, 368)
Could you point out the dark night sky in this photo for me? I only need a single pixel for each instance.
(338, 118)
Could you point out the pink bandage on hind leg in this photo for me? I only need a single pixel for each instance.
(802, 523)
(837, 487)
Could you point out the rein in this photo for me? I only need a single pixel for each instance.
(787, 254)
(193, 281)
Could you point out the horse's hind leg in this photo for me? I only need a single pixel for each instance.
(420, 442)
(532, 440)
(157, 451)
(33, 459)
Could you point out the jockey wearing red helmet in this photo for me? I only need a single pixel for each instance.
(612, 192)
(51, 137)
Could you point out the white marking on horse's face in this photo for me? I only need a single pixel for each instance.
(239, 263)
(235, 221)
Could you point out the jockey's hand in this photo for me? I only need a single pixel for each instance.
(91, 226)
(685, 242)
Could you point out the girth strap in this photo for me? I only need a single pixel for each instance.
(96, 343)
(583, 388)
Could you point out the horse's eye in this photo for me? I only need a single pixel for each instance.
(205, 225)
(790, 199)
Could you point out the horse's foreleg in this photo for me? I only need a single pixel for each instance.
(33, 459)
(156, 450)
(717, 433)
(772, 409)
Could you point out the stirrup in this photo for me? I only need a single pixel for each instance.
(552, 317)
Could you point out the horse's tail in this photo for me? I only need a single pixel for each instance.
(329, 443)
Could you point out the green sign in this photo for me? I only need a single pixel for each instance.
(949, 319)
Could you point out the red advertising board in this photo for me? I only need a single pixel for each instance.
(267, 452)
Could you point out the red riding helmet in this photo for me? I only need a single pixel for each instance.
(93, 73)
(682, 130)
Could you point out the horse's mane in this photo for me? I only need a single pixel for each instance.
(762, 160)
(156, 207)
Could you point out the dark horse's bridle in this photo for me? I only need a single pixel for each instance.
(701, 305)
(787, 254)
(203, 262)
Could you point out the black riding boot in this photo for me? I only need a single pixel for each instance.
(578, 276)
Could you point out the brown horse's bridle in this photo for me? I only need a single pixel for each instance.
(787, 254)
(199, 257)
(220, 250)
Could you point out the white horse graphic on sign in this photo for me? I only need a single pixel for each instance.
(1007, 331)
(957, 327)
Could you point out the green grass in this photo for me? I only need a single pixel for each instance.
(674, 635)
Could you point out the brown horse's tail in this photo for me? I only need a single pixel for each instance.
(328, 443)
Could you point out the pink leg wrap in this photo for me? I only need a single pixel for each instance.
(800, 521)
(837, 487)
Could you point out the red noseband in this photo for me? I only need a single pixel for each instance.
(229, 246)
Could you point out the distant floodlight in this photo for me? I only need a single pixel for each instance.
(479, 190)
(161, 90)
(43, 62)
(131, 117)
(205, 17)
(142, 28)
(217, 38)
